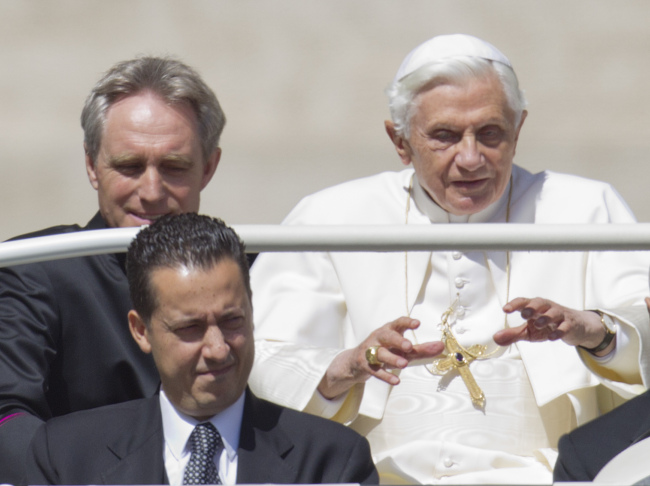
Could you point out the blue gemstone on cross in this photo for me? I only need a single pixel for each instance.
(459, 357)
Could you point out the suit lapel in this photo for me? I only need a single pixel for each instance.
(262, 446)
(140, 455)
(644, 428)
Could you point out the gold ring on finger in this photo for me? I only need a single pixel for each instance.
(371, 355)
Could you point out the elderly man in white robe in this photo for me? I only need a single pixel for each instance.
(458, 367)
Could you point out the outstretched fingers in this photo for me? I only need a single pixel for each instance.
(549, 321)
(394, 351)
(384, 349)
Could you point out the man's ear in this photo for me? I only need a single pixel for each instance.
(90, 169)
(210, 167)
(524, 114)
(401, 144)
(139, 331)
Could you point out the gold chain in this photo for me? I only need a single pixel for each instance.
(458, 357)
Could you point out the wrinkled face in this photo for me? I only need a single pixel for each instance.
(149, 162)
(200, 335)
(462, 143)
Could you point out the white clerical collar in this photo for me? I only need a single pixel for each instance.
(177, 426)
(438, 215)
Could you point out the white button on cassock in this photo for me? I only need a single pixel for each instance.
(460, 283)
(456, 255)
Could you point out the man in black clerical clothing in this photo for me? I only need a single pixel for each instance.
(151, 140)
(189, 283)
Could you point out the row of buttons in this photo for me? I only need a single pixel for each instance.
(460, 283)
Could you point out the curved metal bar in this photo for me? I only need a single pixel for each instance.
(278, 238)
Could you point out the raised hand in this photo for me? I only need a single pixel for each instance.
(393, 351)
(549, 321)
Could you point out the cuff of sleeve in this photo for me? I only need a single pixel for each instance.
(344, 409)
(622, 363)
(319, 405)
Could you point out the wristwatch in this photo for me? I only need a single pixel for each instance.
(610, 333)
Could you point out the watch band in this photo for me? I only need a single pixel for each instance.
(609, 336)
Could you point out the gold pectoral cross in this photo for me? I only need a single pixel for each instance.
(459, 359)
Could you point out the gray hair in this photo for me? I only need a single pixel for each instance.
(402, 93)
(172, 80)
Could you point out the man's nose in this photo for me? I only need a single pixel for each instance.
(215, 346)
(152, 185)
(469, 156)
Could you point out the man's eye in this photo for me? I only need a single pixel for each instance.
(188, 333)
(129, 169)
(175, 169)
(232, 322)
(183, 329)
(490, 136)
(445, 136)
(187, 327)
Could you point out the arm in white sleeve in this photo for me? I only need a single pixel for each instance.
(300, 322)
(626, 369)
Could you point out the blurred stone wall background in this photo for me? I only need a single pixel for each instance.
(302, 83)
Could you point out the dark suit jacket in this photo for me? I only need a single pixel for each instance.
(123, 444)
(586, 450)
(64, 345)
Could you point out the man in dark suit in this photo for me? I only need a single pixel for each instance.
(151, 141)
(189, 283)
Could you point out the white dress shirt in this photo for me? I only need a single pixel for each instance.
(177, 428)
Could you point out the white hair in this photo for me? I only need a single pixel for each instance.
(453, 70)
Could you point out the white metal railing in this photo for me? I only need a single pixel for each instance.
(462, 237)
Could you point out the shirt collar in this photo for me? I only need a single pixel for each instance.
(436, 214)
(96, 223)
(177, 427)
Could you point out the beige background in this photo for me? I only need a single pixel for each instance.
(302, 83)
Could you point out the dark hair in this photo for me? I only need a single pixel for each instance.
(172, 80)
(188, 239)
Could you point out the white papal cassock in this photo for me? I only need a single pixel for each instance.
(310, 306)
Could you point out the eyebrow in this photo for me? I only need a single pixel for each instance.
(130, 158)
(173, 324)
(443, 125)
(234, 312)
